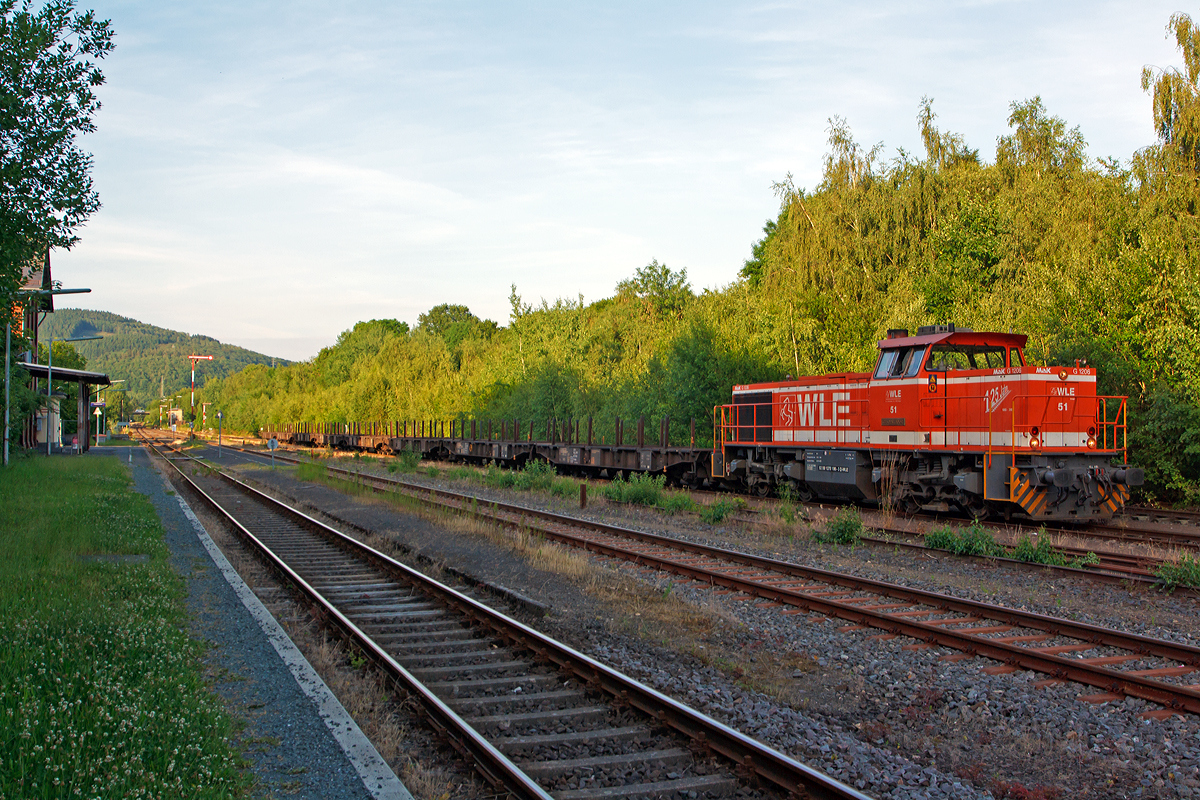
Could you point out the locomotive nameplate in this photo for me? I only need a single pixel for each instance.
(893, 422)
(830, 466)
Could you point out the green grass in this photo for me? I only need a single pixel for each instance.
(1184, 572)
(308, 471)
(537, 476)
(100, 687)
(111, 442)
(405, 461)
(647, 490)
(844, 527)
(1038, 552)
(716, 511)
(974, 540)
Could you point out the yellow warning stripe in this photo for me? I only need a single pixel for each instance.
(1024, 493)
(1034, 499)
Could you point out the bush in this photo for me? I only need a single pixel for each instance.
(973, 541)
(496, 478)
(460, 473)
(537, 475)
(640, 488)
(1164, 438)
(1040, 552)
(845, 527)
(1185, 572)
(718, 510)
(565, 488)
(647, 490)
(407, 460)
(1090, 559)
(788, 509)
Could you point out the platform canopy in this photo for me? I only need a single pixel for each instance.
(82, 377)
(65, 374)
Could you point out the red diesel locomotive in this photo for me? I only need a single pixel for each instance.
(948, 419)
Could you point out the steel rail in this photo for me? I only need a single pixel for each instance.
(494, 764)
(768, 764)
(1178, 698)
(1114, 567)
(1112, 680)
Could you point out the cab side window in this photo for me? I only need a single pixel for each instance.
(912, 362)
(945, 357)
(1014, 357)
(886, 363)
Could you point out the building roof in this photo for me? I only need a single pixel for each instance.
(63, 373)
(38, 278)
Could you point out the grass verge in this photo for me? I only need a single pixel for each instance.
(100, 687)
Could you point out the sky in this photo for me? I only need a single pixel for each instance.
(273, 173)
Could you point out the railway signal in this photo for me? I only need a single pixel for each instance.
(194, 360)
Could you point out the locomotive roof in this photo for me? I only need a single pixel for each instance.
(957, 337)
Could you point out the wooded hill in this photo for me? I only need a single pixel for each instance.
(146, 355)
(1092, 259)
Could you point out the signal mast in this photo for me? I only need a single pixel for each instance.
(194, 360)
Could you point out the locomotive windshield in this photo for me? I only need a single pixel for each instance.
(944, 357)
(902, 362)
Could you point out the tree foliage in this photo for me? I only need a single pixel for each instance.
(1092, 259)
(48, 75)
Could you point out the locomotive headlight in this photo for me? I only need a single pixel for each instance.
(1035, 442)
(1062, 374)
(1091, 442)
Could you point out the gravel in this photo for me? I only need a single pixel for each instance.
(290, 749)
(893, 721)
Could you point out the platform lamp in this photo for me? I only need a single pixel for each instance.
(8, 358)
(50, 382)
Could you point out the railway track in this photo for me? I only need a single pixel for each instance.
(1137, 525)
(536, 717)
(1112, 567)
(1119, 664)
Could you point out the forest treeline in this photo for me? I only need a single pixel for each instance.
(1093, 259)
(145, 357)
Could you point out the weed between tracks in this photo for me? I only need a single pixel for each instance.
(975, 540)
(1184, 571)
(634, 607)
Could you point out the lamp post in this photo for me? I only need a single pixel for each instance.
(50, 381)
(7, 354)
(220, 419)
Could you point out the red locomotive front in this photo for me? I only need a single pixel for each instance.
(949, 418)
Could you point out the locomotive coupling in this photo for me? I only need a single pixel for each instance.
(1130, 476)
(1057, 477)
